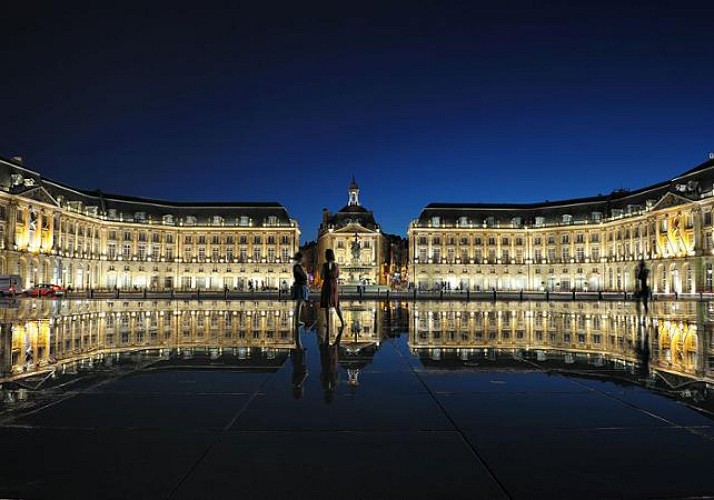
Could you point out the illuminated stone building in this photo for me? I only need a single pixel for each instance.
(50, 232)
(583, 244)
(352, 227)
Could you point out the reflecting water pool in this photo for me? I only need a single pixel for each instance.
(44, 342)
(425, 398)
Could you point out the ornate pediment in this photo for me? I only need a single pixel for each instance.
(40, 194)
(354, 228)
(670, 200)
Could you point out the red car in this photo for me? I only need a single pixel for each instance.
(44, 290)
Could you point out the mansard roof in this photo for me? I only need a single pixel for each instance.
(690, 186)
(16, 179)
(351, 214)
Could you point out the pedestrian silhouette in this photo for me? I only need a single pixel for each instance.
(329, 295)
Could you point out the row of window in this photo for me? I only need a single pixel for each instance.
(566, 219)
(216, 254)
(538, 240)
(505, 255)
(188, 239)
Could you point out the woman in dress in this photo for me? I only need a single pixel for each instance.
(329, 295)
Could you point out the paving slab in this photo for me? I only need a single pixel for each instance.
(346, 411)
(139, 411)
(346, 465)
(599, 463)
(665, 406)
(498, 381)
(78, 464)
(212, 381)
(501, 412)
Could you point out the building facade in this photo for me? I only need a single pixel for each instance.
(53, 233)
(360, 247)
(582, 244)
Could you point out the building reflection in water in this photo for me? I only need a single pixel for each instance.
(71, 335)
(671, 348)
(365, 325)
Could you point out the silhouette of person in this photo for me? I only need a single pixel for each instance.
(644, 289)
(329, 295)
(298, 357)
(642, 350)
(329, 361)
(300, 291)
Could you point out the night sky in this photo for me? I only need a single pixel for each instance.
(457, 102)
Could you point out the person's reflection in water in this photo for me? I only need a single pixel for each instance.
(642, 350)
(329, 360)
(298, 356)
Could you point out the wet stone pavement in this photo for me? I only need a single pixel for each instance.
(404, 429)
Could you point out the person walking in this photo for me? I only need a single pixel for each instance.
(300, 291)
(329, 295)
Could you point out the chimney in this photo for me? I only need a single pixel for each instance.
(325, 215)
(18, 160)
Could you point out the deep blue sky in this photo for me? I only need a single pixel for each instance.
(476, 102)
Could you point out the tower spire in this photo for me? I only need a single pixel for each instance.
(353, 191)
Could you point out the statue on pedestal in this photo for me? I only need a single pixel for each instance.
(356, 249)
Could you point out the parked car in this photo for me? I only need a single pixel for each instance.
(44, 290)
(10, 284)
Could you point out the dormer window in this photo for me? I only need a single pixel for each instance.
(540, 221)
(516, 222)
(463, 221)
(243, 220)
(140, 216)
(217, 220)
(567, 219)
(596, 216)
(167, 219)
(190, 220)
(436, 221)
(272, 220)
(112, 213)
